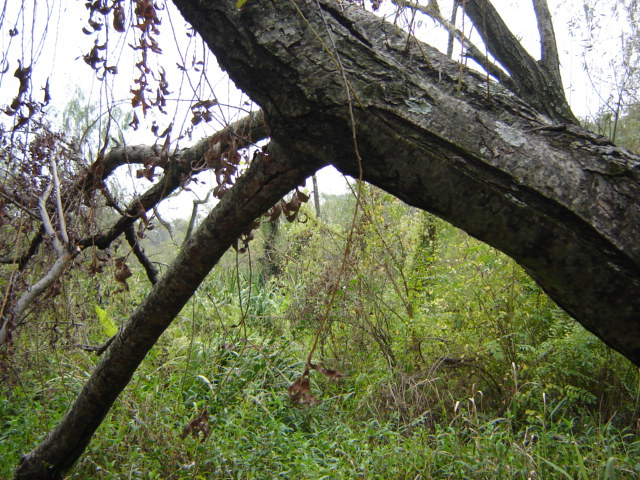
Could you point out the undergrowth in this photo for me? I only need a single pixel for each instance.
(447, 361)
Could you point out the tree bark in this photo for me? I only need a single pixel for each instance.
(316, 195)
(178, 168)
(537, 82)
(562, 202)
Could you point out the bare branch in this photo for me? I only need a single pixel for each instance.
(549, 58)
(46, 220)
(35, 290)
(56, 187)
(473, 52)
(194, 215)
(536, 85)
(152, 272)
(454, 14)
(166, 225)
(268, 178)
(500, 41)
(179, 168)
(61, 248)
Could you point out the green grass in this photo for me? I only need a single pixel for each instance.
(255, 433)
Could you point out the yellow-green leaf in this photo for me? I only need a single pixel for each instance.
(240, 3)
(108, 325)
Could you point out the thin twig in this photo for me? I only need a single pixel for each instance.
(56, 186)
(46, 220)
(349, 242)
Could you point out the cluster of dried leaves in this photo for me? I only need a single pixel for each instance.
(23, 107)
(99, 10)
(146, 22)
(198, 426)
(300, 390)
(288, 208)
(25, 188)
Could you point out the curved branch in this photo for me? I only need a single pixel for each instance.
(35, 290)
(194, 215)
(267, 179)
(152, 272)
(179, 167)
(554, 197)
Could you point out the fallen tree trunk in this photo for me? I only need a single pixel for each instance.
(564, 203)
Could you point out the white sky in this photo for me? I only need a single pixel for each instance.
(57, 52)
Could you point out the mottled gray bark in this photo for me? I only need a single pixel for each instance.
(559, 200)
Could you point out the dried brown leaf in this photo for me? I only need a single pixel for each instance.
(122, 272)
(119, 19)
(300, 392)
(303, 197)
(197, 426)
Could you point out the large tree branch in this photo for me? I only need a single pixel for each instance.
(559, 200)
(177, 169)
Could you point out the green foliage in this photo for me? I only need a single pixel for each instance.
(455, 363)
(621, 127)
(108, 325)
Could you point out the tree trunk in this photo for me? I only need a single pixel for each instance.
(338, 85)
(316, 195)
(562, 202)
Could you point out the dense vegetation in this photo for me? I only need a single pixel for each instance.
(437, 357)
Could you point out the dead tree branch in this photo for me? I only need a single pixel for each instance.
(149, 268)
